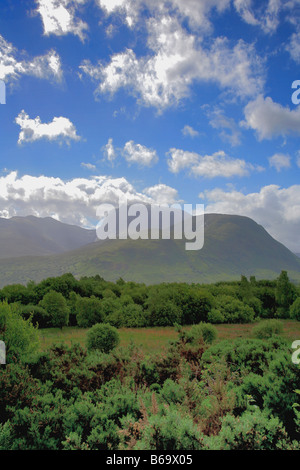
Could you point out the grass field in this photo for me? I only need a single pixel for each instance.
(156, 339)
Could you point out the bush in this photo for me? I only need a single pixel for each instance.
(295, 310)
(102, 337)
(267, 328)
(251, 431)
(203, 331)
(168, 430)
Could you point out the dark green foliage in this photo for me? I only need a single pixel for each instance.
(37, 314)
(232, 310)
(102, 337)
(251, 431)
(168, 430)
(285, 295)
(56, 306)
(19, 335)
(295, 310)
(88, 311)
(198, 393)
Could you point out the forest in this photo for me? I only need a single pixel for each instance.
(199, 393)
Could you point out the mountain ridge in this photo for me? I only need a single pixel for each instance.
(233, 245)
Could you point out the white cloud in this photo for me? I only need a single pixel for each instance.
(74, 201)
(294, 47)
(229, 130)
(59, 17)
(165, 77)
(280, 161)
(189, 131)
(276, 209)
(109, 151)
(208, 166)
(266, 15)
(89, 166)
(137, 153)
(12, 67)
(197, 12)
(60, 129)
(162, 194)
(270, 119)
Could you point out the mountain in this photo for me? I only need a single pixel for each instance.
(33, 236)
(234, 245)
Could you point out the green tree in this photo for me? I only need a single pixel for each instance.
(102, 337)
(56, 306)
(285, 295)
(88, 311)
(20, 336)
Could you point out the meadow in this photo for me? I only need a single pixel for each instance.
(157, 339)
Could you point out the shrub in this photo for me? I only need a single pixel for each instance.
(267, 328)
(203, 331)
(102, 337)
(251, 431)
(295, 310)
(168, 430)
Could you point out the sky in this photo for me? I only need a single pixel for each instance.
(178, 101)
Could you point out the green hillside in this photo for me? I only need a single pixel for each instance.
(233, 246)
(33, 236)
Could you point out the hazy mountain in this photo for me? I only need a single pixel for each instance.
(234, 245)
(33, 236)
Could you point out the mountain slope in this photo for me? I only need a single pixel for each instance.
(33, 236)
(234, 245)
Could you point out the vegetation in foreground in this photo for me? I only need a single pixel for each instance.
(199, 392)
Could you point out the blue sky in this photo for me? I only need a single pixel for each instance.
(179, 101)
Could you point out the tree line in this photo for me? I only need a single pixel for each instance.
(65, 300)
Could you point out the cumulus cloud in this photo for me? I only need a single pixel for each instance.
(13, 66)
(209, 166)
(59, 17)
(163, 194)
(165, 77)
(280, 161)
(137, 153)
(197, 12)
(270, 119)
(74, 201)
(276, 209)
(60, 129)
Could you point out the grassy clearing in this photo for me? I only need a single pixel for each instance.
(156, 339)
